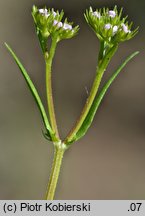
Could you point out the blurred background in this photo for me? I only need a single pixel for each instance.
(109, 162)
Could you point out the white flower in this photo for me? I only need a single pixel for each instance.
(55, 22)
(97, 14)
(44, 12)
(54, 13)
(67, 26)
(108, 26)
(59, 24)
(112, 13)
(115, 29)
(125, 28)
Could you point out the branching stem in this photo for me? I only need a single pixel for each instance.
(99, 74)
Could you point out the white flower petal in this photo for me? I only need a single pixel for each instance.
(115, 29)
(67, 26)
(55, 22)
(125, 28)
(97, 14)
(112, 13)
(44, 12)
(54, 13)
(108, 26)
(60, 24)
(41, 11)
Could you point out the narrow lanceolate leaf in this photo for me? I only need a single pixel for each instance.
(89, 118)
(34, 93)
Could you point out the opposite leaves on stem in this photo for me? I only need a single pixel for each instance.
(111, 29)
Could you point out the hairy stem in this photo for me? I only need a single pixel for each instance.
(58, 156)
(48, 60)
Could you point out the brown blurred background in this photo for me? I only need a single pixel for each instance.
(109, 162)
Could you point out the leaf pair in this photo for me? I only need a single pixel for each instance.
(90, 116)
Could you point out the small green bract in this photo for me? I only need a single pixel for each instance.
(109, 25)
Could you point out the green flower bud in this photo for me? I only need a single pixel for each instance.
(109, 25)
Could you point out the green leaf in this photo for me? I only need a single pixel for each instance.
(89, 118)
(34, 92)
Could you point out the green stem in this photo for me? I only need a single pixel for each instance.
(99, 74)
(103, 49)
(48, 60)
(58, 156)
(101, 52)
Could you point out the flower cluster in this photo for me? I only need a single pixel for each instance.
(109, 25)
(49, 23)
